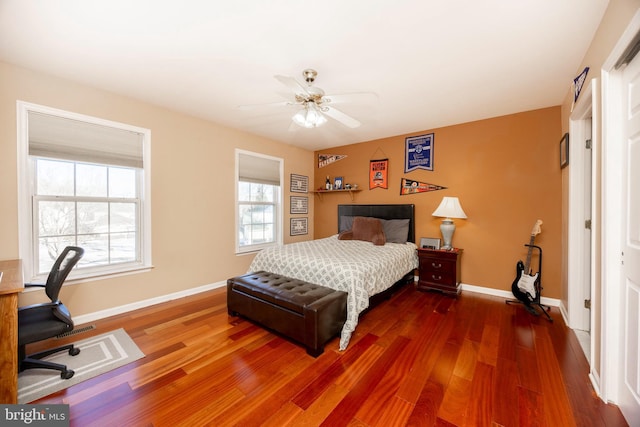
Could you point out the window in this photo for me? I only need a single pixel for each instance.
(83, 182)
(258, 201)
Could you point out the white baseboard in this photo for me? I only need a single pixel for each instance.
(92, 317)
(552, 302)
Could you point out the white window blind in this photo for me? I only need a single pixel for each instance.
(258, 169)
(64, 138)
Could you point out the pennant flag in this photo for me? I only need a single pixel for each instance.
(409, 186)
(578, 82)
(327, 159)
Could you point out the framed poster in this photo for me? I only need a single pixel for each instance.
(378, 173)
(299, 183)
(299, 205)
(564, 151)
(299, 226)
(418, 152)
(337, 183)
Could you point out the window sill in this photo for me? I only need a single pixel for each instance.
(74, 279)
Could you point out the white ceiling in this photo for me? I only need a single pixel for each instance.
(432, 63)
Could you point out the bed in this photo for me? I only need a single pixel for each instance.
(360, 268)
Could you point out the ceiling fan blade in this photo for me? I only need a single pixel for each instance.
(340, 116)
(292, 84)
(293, 127)
(266, 105)
(359, 97)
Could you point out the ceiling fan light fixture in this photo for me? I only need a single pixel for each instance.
(310, 116)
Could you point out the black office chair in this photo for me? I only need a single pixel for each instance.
(39, 322)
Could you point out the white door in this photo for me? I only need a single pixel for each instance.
(629, 386)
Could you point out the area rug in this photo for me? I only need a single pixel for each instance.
(98, 355)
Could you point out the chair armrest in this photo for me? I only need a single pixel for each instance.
(52, 305)
(35, 285)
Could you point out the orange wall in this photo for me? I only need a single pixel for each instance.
(504, 170)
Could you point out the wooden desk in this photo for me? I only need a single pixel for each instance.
(11, 284)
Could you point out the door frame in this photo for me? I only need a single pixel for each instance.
(577, 272)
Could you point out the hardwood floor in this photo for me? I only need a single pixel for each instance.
(417, 359)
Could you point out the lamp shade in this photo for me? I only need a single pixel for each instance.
(450, 208)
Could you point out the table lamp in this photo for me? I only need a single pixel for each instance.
(449, 208)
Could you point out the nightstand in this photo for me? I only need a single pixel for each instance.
(439, 270)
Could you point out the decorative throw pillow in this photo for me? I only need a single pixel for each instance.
(395, 230)
(369, 230)
(345, 235)
(345, 222)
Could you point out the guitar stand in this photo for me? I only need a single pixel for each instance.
(531, 307)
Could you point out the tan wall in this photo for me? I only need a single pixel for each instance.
(192, 189)
(506, 173)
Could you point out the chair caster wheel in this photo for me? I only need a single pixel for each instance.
(65, 375)
(74, 351)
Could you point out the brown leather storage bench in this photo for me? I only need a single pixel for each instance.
(307, 313)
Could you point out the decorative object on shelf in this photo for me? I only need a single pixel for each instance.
(378, 173)
(327, 184)
(299, 226)
(429, 243)
(564, 151)
(299, 205)
(337, 183)
(299, 183)
(327, 159)
(449, 208)
(408, 186)
(418, 152)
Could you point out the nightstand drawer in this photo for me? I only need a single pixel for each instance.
(439, 277)
(437, 265)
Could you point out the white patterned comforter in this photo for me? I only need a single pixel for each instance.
(359, 268)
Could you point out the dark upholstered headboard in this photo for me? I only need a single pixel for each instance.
(380, 211)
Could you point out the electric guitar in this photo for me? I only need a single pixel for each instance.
(524, 287)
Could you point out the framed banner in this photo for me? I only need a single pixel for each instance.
(299, 226)
(299, 205)
(299, 183)
(378, 174)
(418, 152)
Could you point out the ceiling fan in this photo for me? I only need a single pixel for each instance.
(315, 104)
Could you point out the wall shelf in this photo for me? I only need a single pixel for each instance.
(319, 193)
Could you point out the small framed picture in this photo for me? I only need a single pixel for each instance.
(299, 226)
(429, 243)
(337, 183)
(299, 183)
(299, 205)
(564, 151)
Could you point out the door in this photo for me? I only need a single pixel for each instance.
(629, 386)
